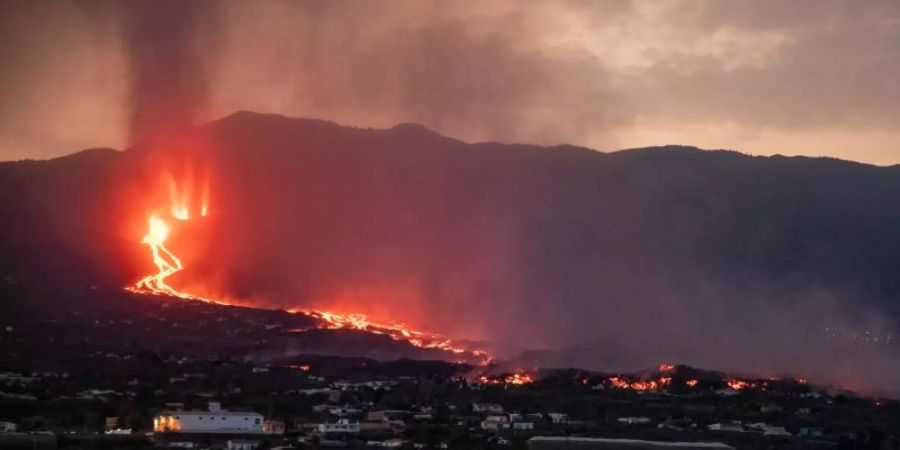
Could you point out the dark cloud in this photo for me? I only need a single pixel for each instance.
(807, 77)
(170, 43)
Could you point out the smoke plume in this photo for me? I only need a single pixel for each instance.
(170, 43)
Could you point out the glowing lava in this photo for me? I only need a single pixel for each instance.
(517, 378)
(166, 263)
(182, 203)
(396, 331)
(640, 385)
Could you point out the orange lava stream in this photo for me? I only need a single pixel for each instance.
(167, 264)
(396, 331)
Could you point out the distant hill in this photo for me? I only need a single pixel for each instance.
(664, 250)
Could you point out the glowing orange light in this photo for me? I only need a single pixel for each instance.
(178, 200)
(396, 331)
(640, 385)
(691, 383)
(517, 378)
(166, 262)
(181, 205)
(666, 367)
(166, 423)
(204, 199)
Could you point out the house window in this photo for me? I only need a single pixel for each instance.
(256, 421)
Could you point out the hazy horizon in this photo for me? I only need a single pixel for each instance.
(800, 78)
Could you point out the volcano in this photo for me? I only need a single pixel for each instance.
(624, 258)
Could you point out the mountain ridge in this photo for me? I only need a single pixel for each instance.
(402, 223)
(422, 130)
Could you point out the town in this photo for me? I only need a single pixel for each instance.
(124, 371)
(357, 403)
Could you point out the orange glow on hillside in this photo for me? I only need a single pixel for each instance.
(396, 331)
(517, 378)
(188, 199)
(166, 262)
(185, 205)
(640, 385)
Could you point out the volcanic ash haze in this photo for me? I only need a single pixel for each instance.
(611, 261)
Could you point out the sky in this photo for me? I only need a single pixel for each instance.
(815, 78)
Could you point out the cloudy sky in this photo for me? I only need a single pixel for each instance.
(762, 77)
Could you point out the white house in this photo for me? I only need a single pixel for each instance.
(736, 427)
(216, 420)
(523, 425)
(7, 427)
(341, 426)
(490, 408)
(558, 417)
(390, 443)
(240, 444)
(634, 420)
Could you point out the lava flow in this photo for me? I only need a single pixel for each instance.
(167, 264)
(518, 378)
(396, 331)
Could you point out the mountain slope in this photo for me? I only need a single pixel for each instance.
(666, 251)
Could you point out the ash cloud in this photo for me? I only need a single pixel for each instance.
(810, 77)
(169, 46)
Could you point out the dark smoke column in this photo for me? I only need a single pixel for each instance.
(170, 43)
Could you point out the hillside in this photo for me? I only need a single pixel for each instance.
(524, 246)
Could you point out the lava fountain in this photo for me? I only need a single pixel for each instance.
(167, 264)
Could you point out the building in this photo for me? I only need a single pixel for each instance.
(241, 444)
(495, 423)
(216, 420)
(7, 427)
(558, 418)
(341, 426)
(522, 426)
(390, 443)
(735, 427)
(634, 420)
(487, 408)
(585, 443)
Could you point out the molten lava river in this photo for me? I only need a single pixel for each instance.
(167, 264)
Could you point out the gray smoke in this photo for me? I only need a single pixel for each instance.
(170, 43)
